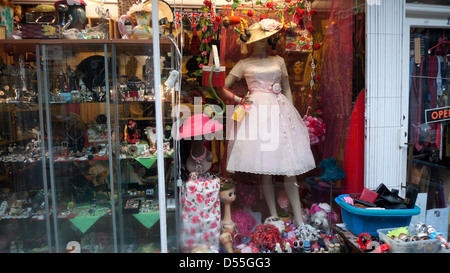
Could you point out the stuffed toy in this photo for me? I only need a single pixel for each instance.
(322, 217)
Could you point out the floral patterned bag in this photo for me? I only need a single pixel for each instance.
(200, 214)
(299, 40)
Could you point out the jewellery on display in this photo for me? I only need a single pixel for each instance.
(200, 158)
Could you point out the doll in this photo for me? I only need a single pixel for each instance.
(227, 196)
(282, 145)
(132, 132)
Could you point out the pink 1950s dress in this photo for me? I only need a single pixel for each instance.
(272, 139)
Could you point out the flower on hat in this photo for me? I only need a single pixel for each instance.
(269, 24)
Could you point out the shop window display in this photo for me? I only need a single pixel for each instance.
(275, 54)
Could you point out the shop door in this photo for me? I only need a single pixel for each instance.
(428, 164)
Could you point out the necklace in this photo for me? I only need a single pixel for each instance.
(200, 158)
(74, 138)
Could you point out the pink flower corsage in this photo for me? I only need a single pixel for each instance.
(276, 88)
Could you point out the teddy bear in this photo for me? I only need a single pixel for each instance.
(321, 217)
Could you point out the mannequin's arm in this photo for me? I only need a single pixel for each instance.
(225, 93)
(286, 88)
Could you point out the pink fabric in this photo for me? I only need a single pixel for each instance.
(200, 214)
(348, 200)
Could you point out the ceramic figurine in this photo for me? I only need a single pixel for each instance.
(72, 13)
(142, 15)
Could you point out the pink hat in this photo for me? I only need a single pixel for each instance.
(199, 124)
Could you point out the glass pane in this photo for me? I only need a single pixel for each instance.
(25, 222)
(429, 150)
(139, 211)
(75, 82)
(310, 76)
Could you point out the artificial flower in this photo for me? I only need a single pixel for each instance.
(207, 3)
(264, 16)
(311, 29)
(270, 24)
(270, 5)
(313, 12)
(316, 129)
(276, 88)
(317, 46)
(300, 12)
(250, 13)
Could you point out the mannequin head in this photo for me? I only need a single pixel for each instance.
(228, 196)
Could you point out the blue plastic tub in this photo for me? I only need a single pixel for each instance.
(359, 220)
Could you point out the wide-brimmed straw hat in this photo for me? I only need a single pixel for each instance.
(263, 29)
(199, 124)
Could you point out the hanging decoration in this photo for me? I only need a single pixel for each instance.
(209, 24)
(315, 124)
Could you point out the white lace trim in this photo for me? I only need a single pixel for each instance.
(286, 173)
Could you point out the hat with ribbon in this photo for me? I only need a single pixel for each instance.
(263, 29)
(199, 124)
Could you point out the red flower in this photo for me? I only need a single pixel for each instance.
(317, 46)
(300, 12)
(207, 3)
(317, 78)
(270, 5)
(313, 12)
(250, 13)
(311, 29)
(264, 16)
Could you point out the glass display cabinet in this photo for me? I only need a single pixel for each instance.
(78, 146)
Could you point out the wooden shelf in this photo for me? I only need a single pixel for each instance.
(33, 42)
(138, 47)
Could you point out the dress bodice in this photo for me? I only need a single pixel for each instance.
(261, 74)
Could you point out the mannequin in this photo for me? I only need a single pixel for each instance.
(200, 159)
(264, 85)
